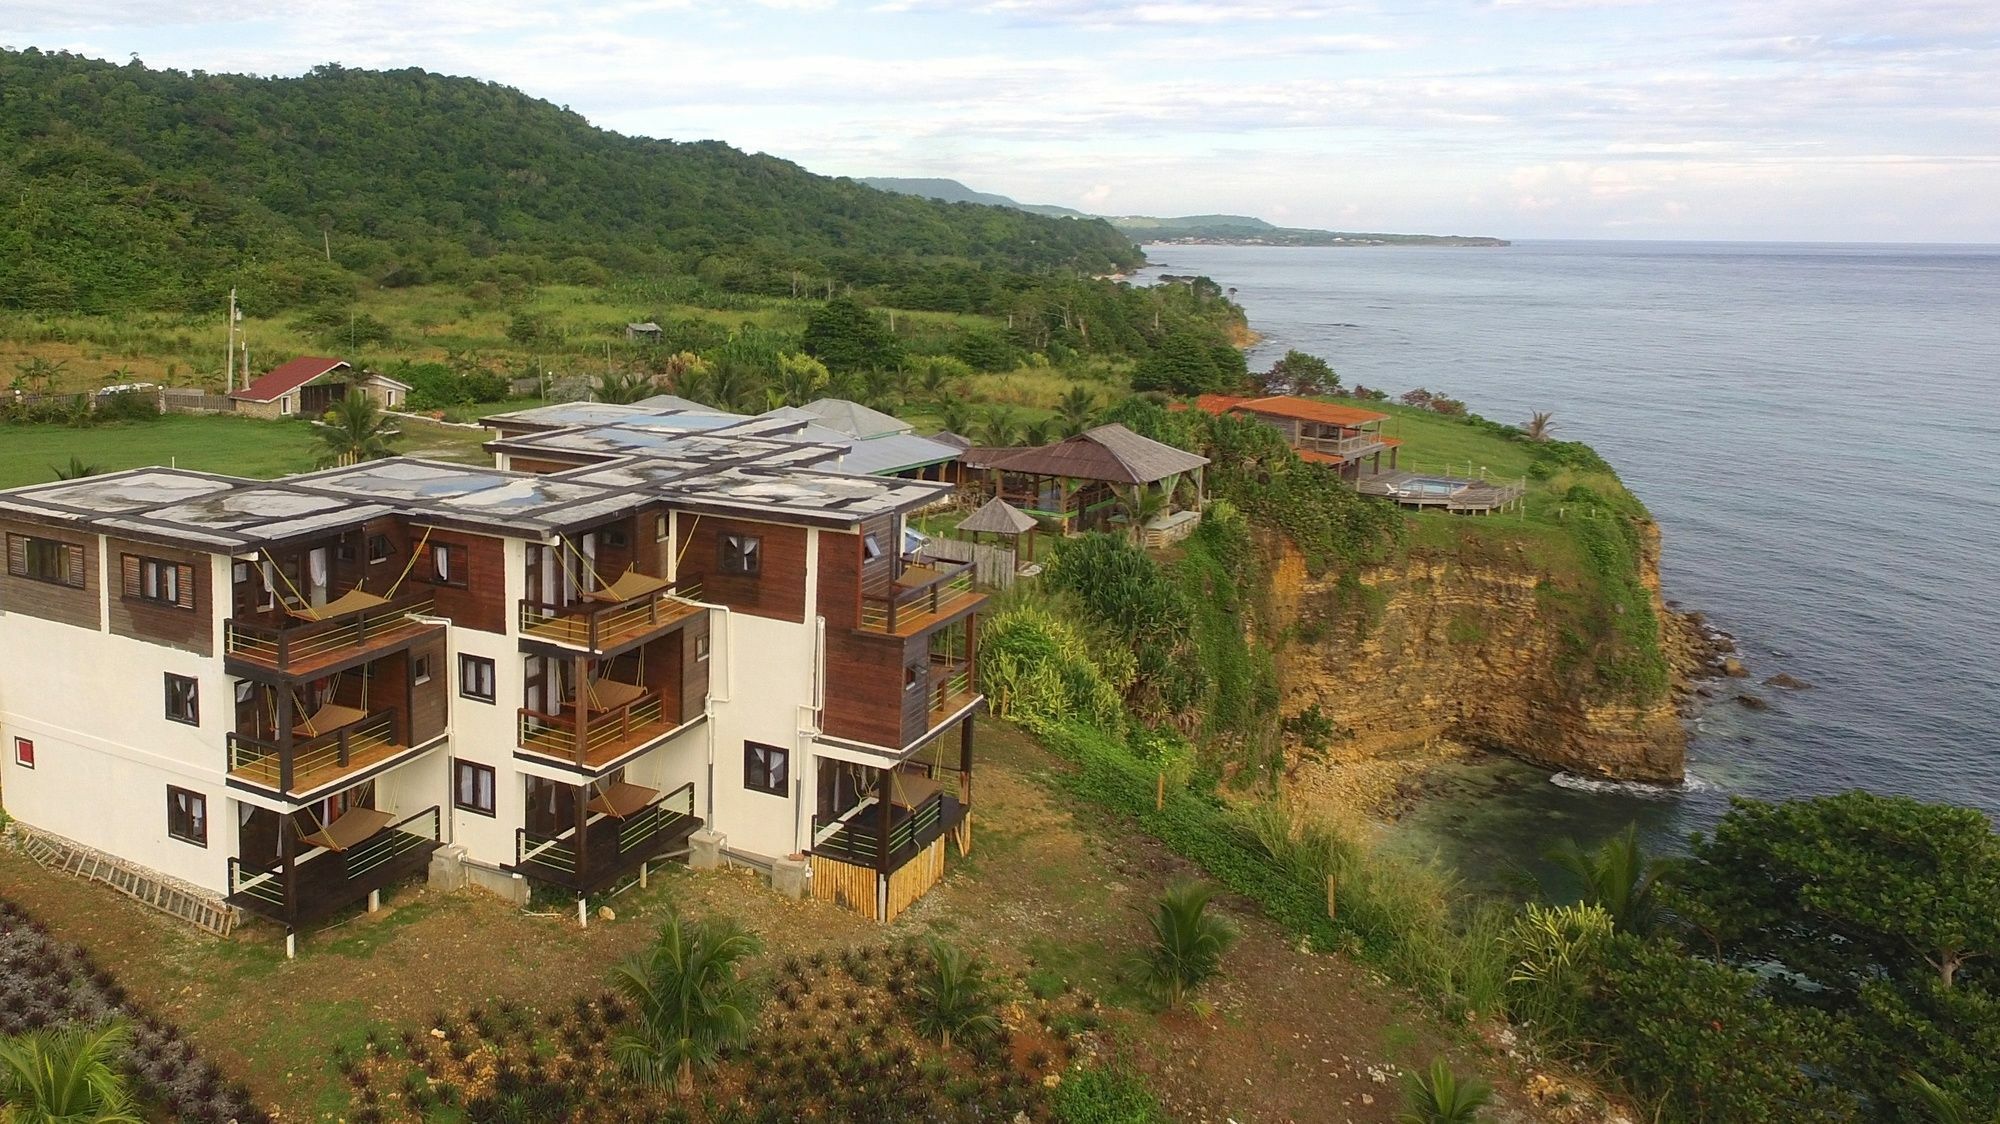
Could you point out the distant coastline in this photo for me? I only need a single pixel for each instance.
(1284, 237)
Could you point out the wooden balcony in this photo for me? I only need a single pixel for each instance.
(315, 763)
(599, 627)
(302, 649)
(325, 882)
(607, 734)
(610, 846)
(951, 690)
(924, 594)
(859, 839)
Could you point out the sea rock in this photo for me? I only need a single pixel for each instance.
(1787, 682)
(1752, 702)
(1733, 668)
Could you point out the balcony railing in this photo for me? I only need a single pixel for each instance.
(606, 734)
(317, 761)
(859, 840)
(580, 624)
(330, 880)
(1342, 446)
(613, 846)
(942, 589)
(294, 645)
(950, 689)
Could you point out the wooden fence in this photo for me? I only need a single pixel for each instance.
(992, 566)
(189, 401)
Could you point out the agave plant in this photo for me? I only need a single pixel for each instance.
(954, 999)
(1188, 942)
(689, 1001)
(66, 1076)
(1437, 1096)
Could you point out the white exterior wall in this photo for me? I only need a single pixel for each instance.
(485, 732)
(94, 704)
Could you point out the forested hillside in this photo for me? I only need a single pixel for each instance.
(123, 187)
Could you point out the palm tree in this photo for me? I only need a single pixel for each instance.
(799, 380)
(1188, 942)
(39, 374)
(1039, 432)
(355, 430)
(75, 470)
(66, 1076)
(1075, 409)
(1947, 1107)
(1618, 876)
(689, 1001)
(953, 998)
(955, 414)
(1539, 424)
(1439, 1097)
(622, 386)
(998, 428)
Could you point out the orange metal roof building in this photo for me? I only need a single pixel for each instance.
(1304, 409)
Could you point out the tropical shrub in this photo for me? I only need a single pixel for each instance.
(70, 1076)
(1618, 877)
(1035, 666)
(1553, 953)
(1188, 942)
(954, 1000)
(690, 1003)
(1105, 1095)
(1437, 1096)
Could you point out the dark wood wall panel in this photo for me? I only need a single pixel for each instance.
(839, 580)
(880, 573)
(865, 700)
(49, 600)
(778, 591)
(430, 705)
(694, 667)
(481, 603)
(188, 626)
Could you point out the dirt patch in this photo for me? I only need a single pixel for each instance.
(1052, 894)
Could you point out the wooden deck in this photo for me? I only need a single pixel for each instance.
(304, 650)
(1420, 490)
(317, 763)
(613, 847)
(325, 882)
(601, 628)
(611, 734)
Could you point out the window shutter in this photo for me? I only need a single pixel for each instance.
(17, 556)
(130, 564)
(75, 556)
(186, 587)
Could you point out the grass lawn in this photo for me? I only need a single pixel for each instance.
(30, 454)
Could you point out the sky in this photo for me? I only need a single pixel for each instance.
(1814, 120)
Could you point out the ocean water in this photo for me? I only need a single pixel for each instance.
(1817, 430)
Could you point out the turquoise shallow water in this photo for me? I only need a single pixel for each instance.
(1817, 429)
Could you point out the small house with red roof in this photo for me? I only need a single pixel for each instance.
(309, 386)
(1327, 432)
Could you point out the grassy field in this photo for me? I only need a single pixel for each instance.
(30, 454)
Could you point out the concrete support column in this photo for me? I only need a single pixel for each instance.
(705, 850)
(788, 877)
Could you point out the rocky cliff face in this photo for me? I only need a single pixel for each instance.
(1468, 646)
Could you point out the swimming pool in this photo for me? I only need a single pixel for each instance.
(1432, 485)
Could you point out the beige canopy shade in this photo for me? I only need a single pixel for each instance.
(610, 694)
(356, 825)
(621, 799)
(911, 789)
(353, 601)
(630, 586)
(328, 718)
(997, 516)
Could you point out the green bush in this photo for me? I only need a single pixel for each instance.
(1037, 667)
(1104, 1095)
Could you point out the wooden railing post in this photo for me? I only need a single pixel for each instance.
(341, 741)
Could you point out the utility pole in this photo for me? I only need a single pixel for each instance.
(229, 349)
(326, 239)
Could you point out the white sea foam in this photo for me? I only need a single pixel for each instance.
(1640, 789)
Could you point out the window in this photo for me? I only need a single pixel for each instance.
(183, 699)
(742, 554)
(766, 768)
(660, 525)
(475, 678)
(871, 546)
(380, 549)
(614, 536)
(164, 583)
(344, 550)
(472, 787)
(420, 670)
(911, 675)
(448, 564)
(285, 405)
(45, 560)
(700, 648)
(187, 816)
(24, 753)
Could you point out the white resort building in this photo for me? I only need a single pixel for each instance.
(647, 633)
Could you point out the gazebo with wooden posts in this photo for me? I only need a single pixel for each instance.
(1088, 481)
(997, 517)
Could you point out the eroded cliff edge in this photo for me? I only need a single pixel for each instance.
(1480, 643)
